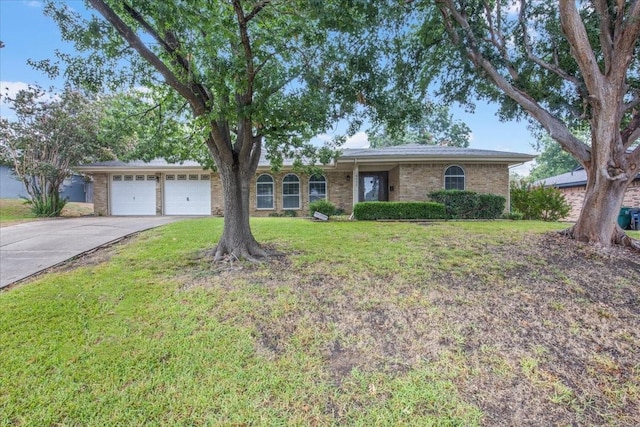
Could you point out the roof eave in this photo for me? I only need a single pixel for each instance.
(431, 158)
(129, 168)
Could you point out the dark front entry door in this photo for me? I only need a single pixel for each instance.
(373, 187)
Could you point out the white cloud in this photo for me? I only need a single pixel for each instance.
(359, 140)
(12, 88)
(33, 3)
(524, 169)
(9, 89)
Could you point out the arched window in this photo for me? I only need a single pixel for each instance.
(454, 178)
(264, 192)
(317, 188)
(291, 192)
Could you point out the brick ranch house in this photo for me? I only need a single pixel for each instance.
(574, 184)
(401, 173)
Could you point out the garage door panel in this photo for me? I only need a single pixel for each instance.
(133, 195)
(187, 194)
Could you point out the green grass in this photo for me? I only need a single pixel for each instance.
(157, 335)
(16, 210)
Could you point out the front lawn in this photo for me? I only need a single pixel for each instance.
(13, 211)
(360, 323)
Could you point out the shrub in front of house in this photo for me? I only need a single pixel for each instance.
(538, 202)
(324, 207)
(398, 210)
(469, 204)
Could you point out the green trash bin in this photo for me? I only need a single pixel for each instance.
(624, 218)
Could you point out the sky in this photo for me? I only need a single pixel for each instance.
(28, 34)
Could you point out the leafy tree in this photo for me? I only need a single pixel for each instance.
(553, 160)
(50, 135)
(561, 63)
(252, 76)
(436, 127)
(538, 202)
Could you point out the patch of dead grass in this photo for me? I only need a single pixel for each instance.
(541, 332)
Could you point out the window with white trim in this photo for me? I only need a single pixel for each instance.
(291, 192)
(454, 178)
(317, 188)
(264, 192)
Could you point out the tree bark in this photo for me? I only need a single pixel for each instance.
(598, 220)
(237, 241)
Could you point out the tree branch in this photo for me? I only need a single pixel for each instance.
(246, 45)
(606, 41)
(196, 99)
(554, 68)
(556, 128)
(631, 132)
(576, 34)
(256, 9)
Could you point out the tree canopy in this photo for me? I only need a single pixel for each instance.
(243, 75)
(436, 127)
(562, 64)
(50, 135)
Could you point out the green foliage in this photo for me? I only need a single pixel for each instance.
(284, 214)
(436, 127)
(50, 135)
(398, 210)
(469, 204)
(50, 205)
(324, 207)
(514, 215)
(553, 160)
(538, 202)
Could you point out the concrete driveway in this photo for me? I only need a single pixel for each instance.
(30, 247)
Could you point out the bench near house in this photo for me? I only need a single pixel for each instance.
(400, 173)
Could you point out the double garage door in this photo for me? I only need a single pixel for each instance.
(184, 194)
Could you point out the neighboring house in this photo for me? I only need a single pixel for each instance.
(574, 184)
(73, 188)
(401, 173)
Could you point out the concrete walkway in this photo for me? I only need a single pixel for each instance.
(30, 247)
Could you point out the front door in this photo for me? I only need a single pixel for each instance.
(373, 187)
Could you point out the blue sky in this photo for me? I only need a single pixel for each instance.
(27, 33)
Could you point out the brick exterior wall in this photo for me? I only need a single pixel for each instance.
(101, 194)
(339, 192)
(410, 182)
(159, 195)
(394, 184)
(415, 181)
(575, 197)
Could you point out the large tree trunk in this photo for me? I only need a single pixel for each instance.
(598, 220)
(237, 241)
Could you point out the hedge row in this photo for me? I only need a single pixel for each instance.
(469, 204)
(398, 210)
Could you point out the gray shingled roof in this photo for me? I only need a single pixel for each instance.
(155, 163)
(419, 150)
(570, 179)
(163, 164)
(413, 151)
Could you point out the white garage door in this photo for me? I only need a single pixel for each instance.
(133, 194)
(187, 194)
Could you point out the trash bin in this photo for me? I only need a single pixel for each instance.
(635, 219)
(624, 217)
